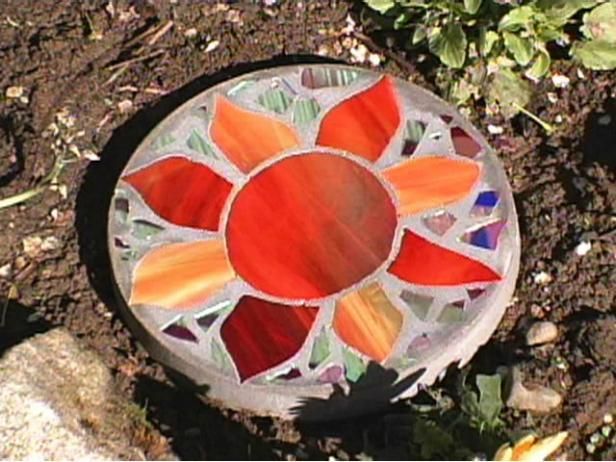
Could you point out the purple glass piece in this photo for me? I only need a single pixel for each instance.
(292, 374)
(485, 237)
(475, 293)
(205, 322)
(418, 345)
(180, 332)
(332, 374)
(464, 144)
(446, 118)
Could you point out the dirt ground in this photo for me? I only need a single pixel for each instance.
(87, 57)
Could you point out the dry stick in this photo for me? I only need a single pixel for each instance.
(162, 31)
(403, 63)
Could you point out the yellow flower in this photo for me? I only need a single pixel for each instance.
(529, 449)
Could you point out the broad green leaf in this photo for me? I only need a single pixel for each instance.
(402, 20)
(353, 365)
(549, 34)
(419, 35)
(508, 89)
(382, 6)
(449, 44)
(596, 54)
(560, 11)
(540, 66)
(487, 39)
(516, 19)
(472, 6)
(600, 23)
(490, 401)
(521, 48)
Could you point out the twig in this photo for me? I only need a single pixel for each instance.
(134, 60)
(403, 63)
(162, 31)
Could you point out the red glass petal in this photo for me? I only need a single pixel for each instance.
(363, 124)
(309, 226)
(260, 335)
(422, 262)
(183, 192)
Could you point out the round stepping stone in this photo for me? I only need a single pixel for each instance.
(313, 240)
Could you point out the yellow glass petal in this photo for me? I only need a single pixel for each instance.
(181, 275)
(431, 181)
(367, 321)
(248, 138)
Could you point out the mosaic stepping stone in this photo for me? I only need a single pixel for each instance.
(310, 229)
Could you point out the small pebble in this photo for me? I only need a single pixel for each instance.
(541, 332)
(542, 278)
(125, 106)
(50, 243)
(190, 33)
(538, 399)
(14, 92)
(583, 248)
(5, 271)
(608, 419)
(495, 129)
(212, 46)
(560, 81)
(32, 245)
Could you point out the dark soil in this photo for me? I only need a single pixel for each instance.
(78, 56)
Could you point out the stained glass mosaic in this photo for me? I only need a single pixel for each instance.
(282, 232)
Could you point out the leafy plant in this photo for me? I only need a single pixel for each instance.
(484, 409)
(493, 47)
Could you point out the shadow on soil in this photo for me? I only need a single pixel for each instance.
(18, 323)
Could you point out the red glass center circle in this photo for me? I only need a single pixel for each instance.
(309, 226)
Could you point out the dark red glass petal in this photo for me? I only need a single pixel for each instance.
(422, 262)
(183, 192)
(260, 335)
(463, 143)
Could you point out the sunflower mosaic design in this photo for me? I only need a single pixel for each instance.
(280, 231)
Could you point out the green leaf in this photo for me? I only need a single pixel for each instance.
(600, 23)
(490, 401)
(508, 89)
(449, 45)
(596, 54)
(516, 19)
(196, 142)
(353, 365)
(382, 6)
(419, 35)
(521, 48)
(561, 10)
(402, 20)
(540, 66)
(472, 6)
(487, 39)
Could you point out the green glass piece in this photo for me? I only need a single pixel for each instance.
(245, 84)
(305, 110)
(142, 229)
(197, 143)
(451, 314)
(275, 100)
(129, 255)
(353, 365)
(163, 140)
(327, 77)
(320, 350)
(419, 304)
(415, 130)
(219, 356)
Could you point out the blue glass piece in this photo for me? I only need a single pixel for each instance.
(487, 199)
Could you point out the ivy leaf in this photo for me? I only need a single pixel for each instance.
(472, 6)
(595, 54)
(560, 11)
(490, 401)
(540, 66)
(509, 90)
(419, 35)
(516, 19)
(521, 48)
(382, 6)
(600, 23)
(449, 44)
(487, 39)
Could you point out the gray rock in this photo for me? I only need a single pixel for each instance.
(57, 402)
(541, 332)
(537, 399)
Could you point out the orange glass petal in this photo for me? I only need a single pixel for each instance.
(431, 181)
(248, 138)
(183, 192)
(309, 226)
(367, 321)
(422, 262)
(365, 123)
(181, 275)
